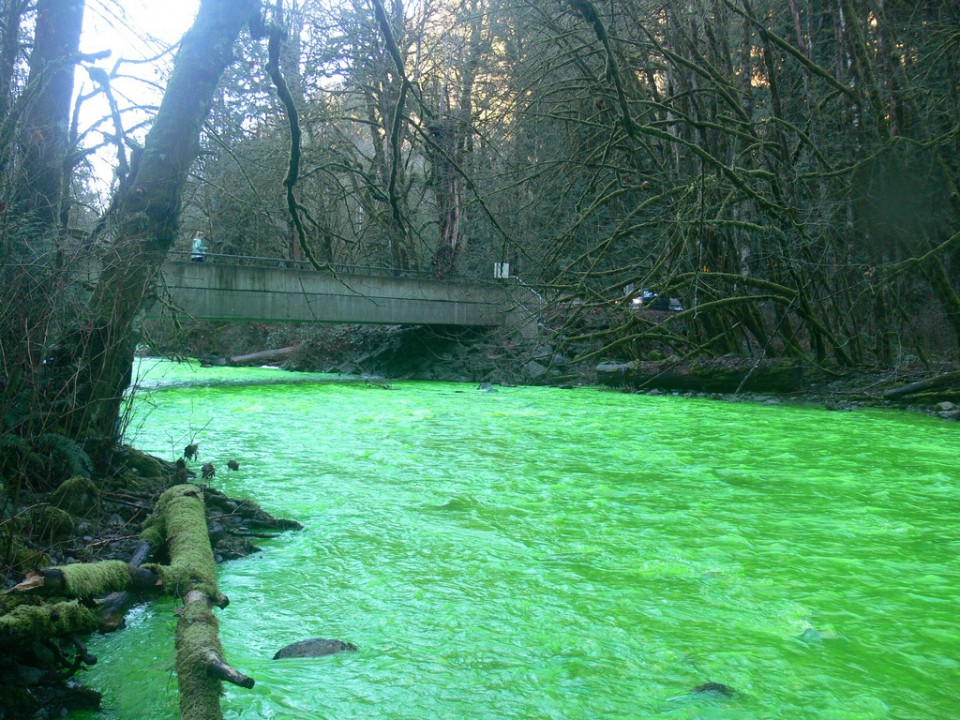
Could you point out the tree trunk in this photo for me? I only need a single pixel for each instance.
(33, 148)
(147, 219)
(43, 139)
(11, 12)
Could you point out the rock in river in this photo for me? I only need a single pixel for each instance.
(314, 647)
(715, 688)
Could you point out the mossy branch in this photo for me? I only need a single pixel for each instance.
(588, 11)
(29, 622)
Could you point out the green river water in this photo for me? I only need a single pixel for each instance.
(547, 553)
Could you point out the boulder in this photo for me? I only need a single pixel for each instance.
(535, 370)
(314, 647)
(78, 496)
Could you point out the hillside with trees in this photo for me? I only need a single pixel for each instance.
(787, 170)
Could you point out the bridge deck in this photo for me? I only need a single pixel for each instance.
(217, 291)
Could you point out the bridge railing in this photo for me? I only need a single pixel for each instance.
(286, 264)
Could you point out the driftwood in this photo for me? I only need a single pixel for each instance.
(181, 519)
(723, 375)
(263, 355)
(248, 510)
(178, 523)
(920, 386)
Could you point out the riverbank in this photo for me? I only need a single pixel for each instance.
(87, 520)
(571, 355)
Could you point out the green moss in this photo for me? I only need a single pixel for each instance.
(146, 466)
(51, 523)
(154, 531)
(197, 637)
(87, 580)
(44, 621)
(181, 518)
(79, 495)
(127, 480)
(20, 558)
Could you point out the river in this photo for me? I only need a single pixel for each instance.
(548, 553)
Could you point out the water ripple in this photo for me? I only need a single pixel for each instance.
(538, 553)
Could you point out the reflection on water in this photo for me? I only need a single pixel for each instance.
(542, 553)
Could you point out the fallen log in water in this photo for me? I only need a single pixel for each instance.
(261, 356)
(178, 523)
(720, 375)
(26, 623)
(181, 520)
(947, 380)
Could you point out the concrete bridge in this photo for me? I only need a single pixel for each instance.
(222, 289)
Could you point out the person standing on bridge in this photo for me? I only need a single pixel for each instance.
(198, 252)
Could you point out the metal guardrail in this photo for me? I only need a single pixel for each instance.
(287, 264)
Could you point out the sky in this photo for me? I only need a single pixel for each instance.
(148, 21)
(132, 30)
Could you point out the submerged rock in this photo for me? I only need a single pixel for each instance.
(715, 688)
(314, 647)
(812, 634)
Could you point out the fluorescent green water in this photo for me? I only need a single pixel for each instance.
(543, 553)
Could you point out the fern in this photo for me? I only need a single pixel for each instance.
(13, 450)
(44, 461)
(65, 458)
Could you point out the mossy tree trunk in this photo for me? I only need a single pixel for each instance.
(38, 182)
(192, 574)
(145, 218)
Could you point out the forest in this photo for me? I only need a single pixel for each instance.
(789, 170)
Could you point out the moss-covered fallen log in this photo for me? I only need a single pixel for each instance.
(946, 380)
(88, 580)
(181, 519)
(34, 622)
(201, 668)
(178, 525)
